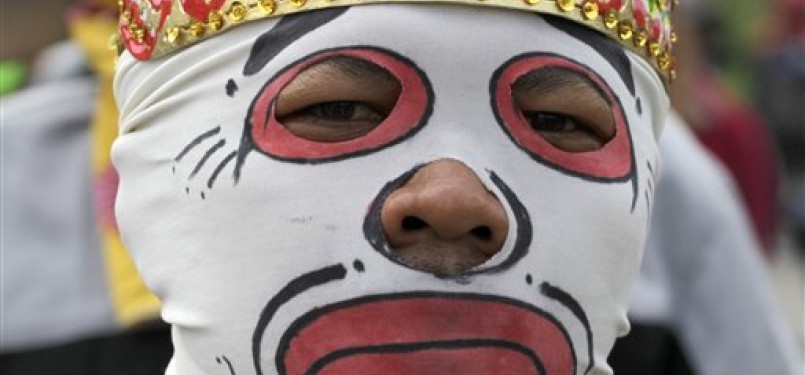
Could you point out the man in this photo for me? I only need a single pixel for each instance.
(388, 188)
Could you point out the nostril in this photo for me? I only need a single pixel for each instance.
(482, 232)
(413, 223)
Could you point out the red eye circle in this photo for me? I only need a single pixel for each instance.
(612, 162)
(409, 114)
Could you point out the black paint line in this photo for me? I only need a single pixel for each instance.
(635, 190)
(648, 203)
(650, 184)
(195, 142)
(231, 87)
(639, 106)
(229, 365)
(297, 286)
(571, 304)
(425, 346)
(610, 50)
(246, 147)
(284, 33)
(220, 167)
(372, 224)
(206, 157)
(650, 169)
(525, 232)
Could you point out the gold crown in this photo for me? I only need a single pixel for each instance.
(153, 28)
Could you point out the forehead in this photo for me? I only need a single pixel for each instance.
(447, 41)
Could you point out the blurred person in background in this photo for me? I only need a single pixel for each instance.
(730, 128)
(780, 94)
(703, 304)
(71, 301)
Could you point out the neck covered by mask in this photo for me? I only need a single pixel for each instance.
(399, 189)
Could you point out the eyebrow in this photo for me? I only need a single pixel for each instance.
(552, 78)
(356, 67)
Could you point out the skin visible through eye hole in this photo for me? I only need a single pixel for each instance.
(339, 99)
(565, 108)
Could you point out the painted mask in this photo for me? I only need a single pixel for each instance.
(269, 191)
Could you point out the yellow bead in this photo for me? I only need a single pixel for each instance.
(267, 6)
(532, 2)
(126, 16)
(298, 3)
(654, 48)
(113, 42)
(139, 35)
(664, 61)
(566, 5)
(625, 31)
(673, 37)
(590, 10)
(215, 20)
(238, 11)
(611, 19)
(640, 38)
(173, 35)
(196, 29)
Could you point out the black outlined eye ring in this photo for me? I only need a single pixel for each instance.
(410, 113)
(612, 162)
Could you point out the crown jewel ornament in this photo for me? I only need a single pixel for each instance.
(150, 29)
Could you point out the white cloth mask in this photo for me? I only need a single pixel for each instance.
(269, 246)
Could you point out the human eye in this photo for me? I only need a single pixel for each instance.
(339, 103)
(564, 131)
(564, 109)
(337, 100)
(563, 115)
(334, 121)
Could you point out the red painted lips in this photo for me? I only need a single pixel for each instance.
(433, 334)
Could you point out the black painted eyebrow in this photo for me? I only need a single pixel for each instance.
(286, 31)
(610, 50)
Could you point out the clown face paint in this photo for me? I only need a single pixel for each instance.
(266, 232)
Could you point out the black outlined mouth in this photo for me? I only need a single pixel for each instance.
(426, 333)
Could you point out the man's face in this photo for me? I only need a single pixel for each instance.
(405, 189)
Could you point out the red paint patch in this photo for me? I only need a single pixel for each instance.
(271, 137)
(430, 335)
(470, 361)
(613, 161)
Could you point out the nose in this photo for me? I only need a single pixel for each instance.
(443, 220)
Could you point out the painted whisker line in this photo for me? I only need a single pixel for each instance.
(220, 167)
(650, 185)
(195, 142)
(206, 157)
(294, 288)
(648, 202)
(229, 365)
(564, 298)
(651, 169)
